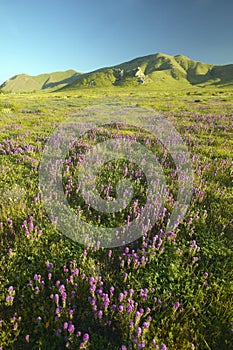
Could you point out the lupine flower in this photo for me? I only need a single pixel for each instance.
(71, 328)
(176, 305)
(62, 288)
(111, 290)
(56, 299)
(131, 324)
(146, 325)
(9, 221)
(27, 338)
(139, 331)
(86, 337)
(130, 308)
(9, 299)
(49, 265)
(121, 308)
(71, 312)
(100, 313)
(11, 290)
(121, 297)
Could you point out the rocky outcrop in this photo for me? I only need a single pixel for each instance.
(119, 74)
(140, 75)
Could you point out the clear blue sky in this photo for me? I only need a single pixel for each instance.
(50, 35)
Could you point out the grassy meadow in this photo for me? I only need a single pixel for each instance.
(164, 291)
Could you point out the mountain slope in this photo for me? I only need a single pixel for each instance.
(27, 83)
(152, 70)
(158, 69)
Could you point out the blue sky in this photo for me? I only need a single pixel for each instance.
(44, 36)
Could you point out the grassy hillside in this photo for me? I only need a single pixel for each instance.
(27, 83)
(156, 70)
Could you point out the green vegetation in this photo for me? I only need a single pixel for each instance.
(164, 291)
(27, 83)
(155, 70)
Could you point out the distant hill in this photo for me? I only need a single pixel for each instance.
(155, 70)
(27, 83)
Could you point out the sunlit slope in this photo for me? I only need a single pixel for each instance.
(27, 83)
(152, 70)
(158, 69)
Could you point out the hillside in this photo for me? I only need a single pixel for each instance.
(158, 69)
(153, 70)
(27, 83)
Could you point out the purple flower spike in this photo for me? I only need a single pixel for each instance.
(146, 325)
(100, 313)
(86, 337)
(9, 221)
(71, 328)
(176, 305)
(121, 297)
(27, 338)
(121, 308)
(56, 299)
(139, 332)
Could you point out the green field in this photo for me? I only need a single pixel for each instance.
(164, 291)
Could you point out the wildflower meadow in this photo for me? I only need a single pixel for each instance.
(160, 289)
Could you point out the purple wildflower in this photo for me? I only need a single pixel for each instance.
(71, 328)
(121, 308)
(27, 338)
(86, 337)
(176, 305)
(100, 313)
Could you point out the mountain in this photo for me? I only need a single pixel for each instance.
(155, 70)
(158, 69)
(27, 83)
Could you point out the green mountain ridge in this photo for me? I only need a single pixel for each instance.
(152, 70)
(27, 83)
